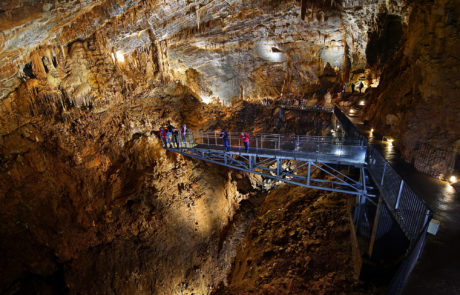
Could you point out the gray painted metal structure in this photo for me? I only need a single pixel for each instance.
(291, 159)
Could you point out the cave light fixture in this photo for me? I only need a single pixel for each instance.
(453, 179)
(120, 56)
(269, 51)
(371, 133)
(362, 102)
(338, 152)
(389, 140)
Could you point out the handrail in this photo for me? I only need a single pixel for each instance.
(285, 137)
(318, 147)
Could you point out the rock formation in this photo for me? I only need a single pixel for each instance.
(90, 201)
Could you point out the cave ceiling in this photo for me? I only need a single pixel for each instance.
(231, 44)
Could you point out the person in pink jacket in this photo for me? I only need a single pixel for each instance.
(245, 138)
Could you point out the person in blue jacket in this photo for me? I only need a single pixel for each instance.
(224, 136)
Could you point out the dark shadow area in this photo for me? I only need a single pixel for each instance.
(385, 41)
(29, 71)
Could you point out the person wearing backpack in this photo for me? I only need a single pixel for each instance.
(176, 138)
(169, 133)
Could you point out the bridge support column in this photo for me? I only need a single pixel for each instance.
(360, 199)
(279, 163)
(374, 227)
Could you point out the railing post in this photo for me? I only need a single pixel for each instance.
(309, 172)
(250, 162)
(399, 194)
(427, 215)
(384, 170)
(257, 143)
(375, 227)
(215, 137)
(278, 168)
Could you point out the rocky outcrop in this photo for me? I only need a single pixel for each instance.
(298, 244)
(419, 85)
(92, 203)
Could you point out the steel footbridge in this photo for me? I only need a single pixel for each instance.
(383, 199)
(291, 159)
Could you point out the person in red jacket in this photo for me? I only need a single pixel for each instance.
(162, 136)
(245, 138)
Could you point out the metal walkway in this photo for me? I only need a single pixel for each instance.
(291, 159)
(318, 162)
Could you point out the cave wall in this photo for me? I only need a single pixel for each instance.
(417, 101)
(91, 203)
(86, 190)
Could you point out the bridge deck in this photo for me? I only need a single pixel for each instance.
(339, 155)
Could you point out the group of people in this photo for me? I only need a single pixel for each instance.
(169, 135)
(244, 136)
(360, 87)
(296, 101)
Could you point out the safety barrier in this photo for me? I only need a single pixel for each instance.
(407, 208)
(322, 146)
(348, 126)
(401, 277)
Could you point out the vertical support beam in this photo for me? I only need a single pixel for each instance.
(399, 194)
(383, 174)
(309, 172)
(225, 158)
(363, 180)
(250, 162)
(427, 216)
(375, 227)
(357, 210)
(278, 168)
(303, 9)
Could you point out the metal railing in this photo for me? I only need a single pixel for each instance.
(407, 208)
(401, 277)
(348, 126)
(322, 146)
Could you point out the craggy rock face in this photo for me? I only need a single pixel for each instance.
(220, 49)
(89, 198)
(418, 98)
